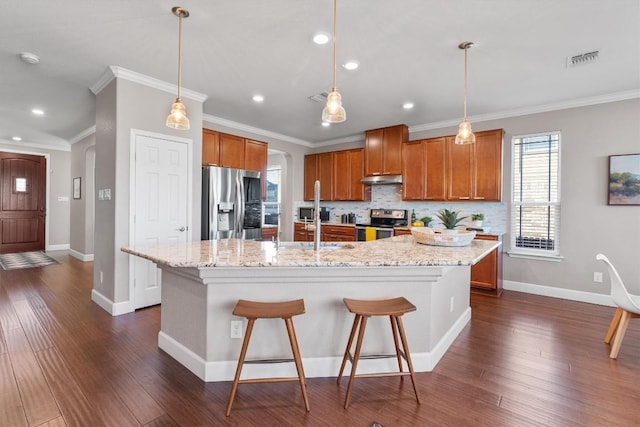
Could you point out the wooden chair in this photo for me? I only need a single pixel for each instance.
(253, 310)
(395, 308)
(628, 308)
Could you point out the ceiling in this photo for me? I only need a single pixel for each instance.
(407, 51)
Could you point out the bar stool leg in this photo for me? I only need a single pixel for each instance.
(613, 326)
(243, 353)
(394, 329)
(407, 354)
(296, 357)
(354, 327)
(356, 357)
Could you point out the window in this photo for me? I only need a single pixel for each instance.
(535, 195)
(272, 202)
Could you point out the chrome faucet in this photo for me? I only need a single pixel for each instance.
(316, 216)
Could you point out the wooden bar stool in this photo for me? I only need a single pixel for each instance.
(363, 309)
(253, 310)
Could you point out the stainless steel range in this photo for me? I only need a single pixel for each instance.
(383, 221)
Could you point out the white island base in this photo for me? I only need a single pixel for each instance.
(197, 305)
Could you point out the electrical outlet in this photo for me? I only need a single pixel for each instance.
(236, 329)
(451, 305)
(597, 277)
(101, 277)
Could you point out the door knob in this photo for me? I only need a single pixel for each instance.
(181, 228)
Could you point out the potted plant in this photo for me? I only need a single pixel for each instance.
(477, 219)
(449, 218)
(426, 220)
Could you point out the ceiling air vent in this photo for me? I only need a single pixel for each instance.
(583, 58)
(320, 97)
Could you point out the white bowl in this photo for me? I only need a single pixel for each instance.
(435, 237)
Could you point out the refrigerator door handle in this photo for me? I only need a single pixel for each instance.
(241, 203)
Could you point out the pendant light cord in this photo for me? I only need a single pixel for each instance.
(465, 83)
(180, 15)
(335, 13)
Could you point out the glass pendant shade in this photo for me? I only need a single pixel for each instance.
(334, 111)
(465, 135)
(178, 119)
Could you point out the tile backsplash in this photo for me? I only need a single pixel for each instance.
(390, 197)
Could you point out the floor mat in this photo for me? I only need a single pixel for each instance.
(25, 260)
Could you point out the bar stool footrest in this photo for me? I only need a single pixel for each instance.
(268, 380)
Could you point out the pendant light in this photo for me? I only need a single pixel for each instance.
(334, 111)
(178, 119)
(465, 135)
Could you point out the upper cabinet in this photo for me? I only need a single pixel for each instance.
(318, 167)
(339, 173)
(348, 170)
(474, 171)
(210, 148)
(221, 149)
(423, 169)
(383, 150)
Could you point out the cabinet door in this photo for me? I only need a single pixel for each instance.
(255, 159)
(373, 152)
(341, 175)
(393, 138)
(231, 151)
(461, 170)
(412, 171)
(435, 159)
(484, 274)
(325, 175)
(357, 190)
(310, 175)
(488, 167)
(210, 148)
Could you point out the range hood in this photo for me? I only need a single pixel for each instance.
(382, 179)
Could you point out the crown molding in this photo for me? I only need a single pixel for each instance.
(576, 103)
(54, 145)
(82, 135)
(208, 118)
(113, 72)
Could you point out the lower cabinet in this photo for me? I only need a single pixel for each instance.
(328, 233)
(401, 231)
(269, 233)
(486, 275)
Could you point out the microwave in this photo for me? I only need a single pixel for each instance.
(308, 213)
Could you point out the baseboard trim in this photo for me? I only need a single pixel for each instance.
(314, 367)
(568, 294)
(80, 255)
(57, 247)
(115, 309)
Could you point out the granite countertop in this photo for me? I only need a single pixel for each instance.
(394, 251)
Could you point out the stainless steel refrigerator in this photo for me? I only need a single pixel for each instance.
(231, 204)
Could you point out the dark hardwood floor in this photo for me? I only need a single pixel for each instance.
(523, 360)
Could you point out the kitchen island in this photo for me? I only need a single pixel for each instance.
(203, 280)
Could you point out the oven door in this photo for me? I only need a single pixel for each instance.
(383, 233)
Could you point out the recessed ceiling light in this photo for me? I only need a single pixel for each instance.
(38, 112)
(321, 38)
(408, 105)
(258, 98)
(29, 58)
(17, 138)
(326, 124)
(351, 65)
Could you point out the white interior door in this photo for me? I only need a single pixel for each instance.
(161, 207)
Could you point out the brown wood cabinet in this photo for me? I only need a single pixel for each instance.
(337, 233)
(269, 233)
(383, 150)
(474, 171)
(300, 234)
(255, 159)
(486, 275)
(318, 167)
(348, 170)
(210, 148)
(231, 151)
(401, 231)
(423, 169)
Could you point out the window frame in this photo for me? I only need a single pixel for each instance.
(514, 225)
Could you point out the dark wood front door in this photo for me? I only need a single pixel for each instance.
(22, 202)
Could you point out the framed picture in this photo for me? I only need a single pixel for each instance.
(76, 188)
(624, 179)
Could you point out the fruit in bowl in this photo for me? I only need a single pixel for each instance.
(417, 224)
